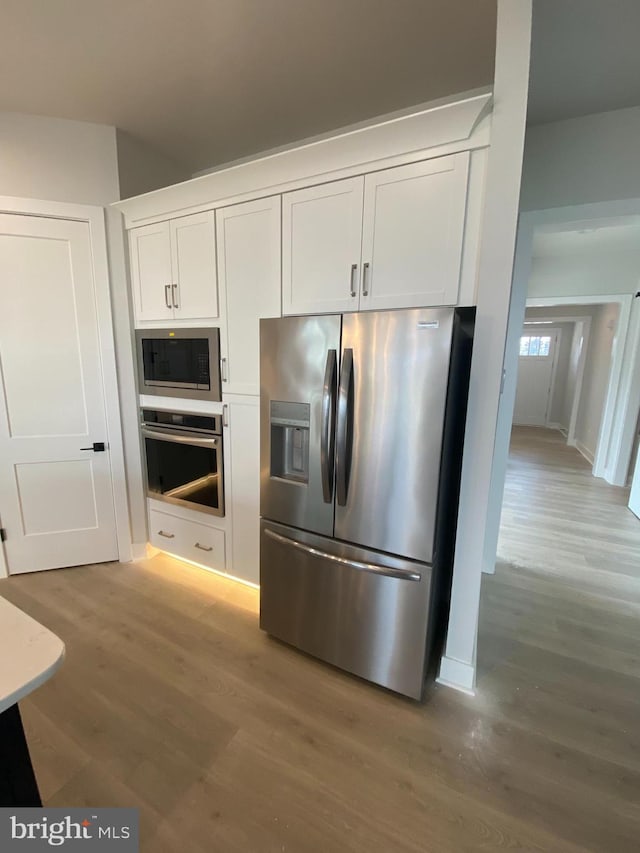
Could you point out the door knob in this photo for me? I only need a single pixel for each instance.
(97, 447)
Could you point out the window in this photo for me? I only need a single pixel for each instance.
(535, 345)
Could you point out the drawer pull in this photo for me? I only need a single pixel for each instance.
(204, 547)
(166, 535)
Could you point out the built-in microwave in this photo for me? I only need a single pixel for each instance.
(179, 363)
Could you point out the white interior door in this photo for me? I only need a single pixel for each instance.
(56, 498)
(634, 497)
(535, 378)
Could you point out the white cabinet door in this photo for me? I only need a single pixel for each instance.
(321, 239)
(199, 543)
(413, 232)
(193, 260)
(151, 276)
(248, 237)
(243, 490)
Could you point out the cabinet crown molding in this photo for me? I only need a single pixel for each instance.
(429, 130)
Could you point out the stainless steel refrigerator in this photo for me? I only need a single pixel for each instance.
(361, 429)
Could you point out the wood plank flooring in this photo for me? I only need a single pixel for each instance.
(173, 701)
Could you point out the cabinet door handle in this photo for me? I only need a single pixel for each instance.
(174, 295)
(365, 270)
(223, 370)
(166, 535)
(354, 269)
(167, 288)
(225, 415)
(204, 547)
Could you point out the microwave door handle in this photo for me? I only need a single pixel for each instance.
(194, 441)
(327, 449)
(344, 428)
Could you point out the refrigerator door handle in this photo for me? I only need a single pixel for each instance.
(327, 440)
(386, 571)
(343, 429)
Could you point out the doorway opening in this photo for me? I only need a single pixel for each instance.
(565, 372)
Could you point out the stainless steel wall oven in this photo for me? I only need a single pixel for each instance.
(184, 459)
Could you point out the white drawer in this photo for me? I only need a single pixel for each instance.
(188, 539)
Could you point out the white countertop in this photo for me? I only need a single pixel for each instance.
(29, 654)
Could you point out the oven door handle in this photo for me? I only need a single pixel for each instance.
(194, 441)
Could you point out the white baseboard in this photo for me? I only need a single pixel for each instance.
(140, 551)
(555, 425)
(454, 673)
(584, 450)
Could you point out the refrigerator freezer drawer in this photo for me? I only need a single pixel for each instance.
(361, 610)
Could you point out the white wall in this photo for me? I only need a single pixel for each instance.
(581, 160)
(57, 160)
(571, 379)
(596, 377)
(68, 161)
(495, 267)
(585, 274)
(560, 390)
(142, 169)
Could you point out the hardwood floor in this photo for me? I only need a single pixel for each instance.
(173, 701)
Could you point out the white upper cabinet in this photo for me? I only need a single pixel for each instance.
(173, 270)
(249, 272)
(321, 241)
(151, 272)
(390, 239)
(193, 260)
(412, 234)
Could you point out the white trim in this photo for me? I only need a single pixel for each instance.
(140, 551)
(585, 323)
(95, 218)
(554, 370)
(584, 451)
(457, 674)
(495, 267)
(430, 130)
(623, 429)
(366, 124)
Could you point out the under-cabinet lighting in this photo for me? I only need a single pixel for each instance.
(539, 322)
(213, 571)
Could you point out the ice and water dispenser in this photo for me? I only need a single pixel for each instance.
(290, 440)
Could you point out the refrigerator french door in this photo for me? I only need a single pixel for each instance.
(353, 416)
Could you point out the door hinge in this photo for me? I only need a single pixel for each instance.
(3, 534)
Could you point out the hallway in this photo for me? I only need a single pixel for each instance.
(559, 639)
(566, 523)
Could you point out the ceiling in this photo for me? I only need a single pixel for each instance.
(209, 81)
(592, 237)
(584, 58)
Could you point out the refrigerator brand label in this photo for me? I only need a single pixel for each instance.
(428, 324)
